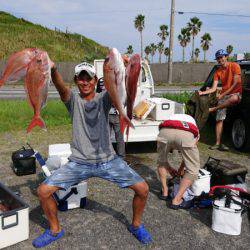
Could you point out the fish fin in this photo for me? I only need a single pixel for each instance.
(36, 121)
(1, 82)
(125, 124)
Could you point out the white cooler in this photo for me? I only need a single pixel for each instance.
(75, 196)
(226, 220)
(202, 184)
(14, 223)
(165, 108)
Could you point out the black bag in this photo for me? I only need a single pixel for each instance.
(225, 172)
(24, 162)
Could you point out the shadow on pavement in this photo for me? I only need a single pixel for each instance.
(203, 215)
(97, 207)
(37, 215)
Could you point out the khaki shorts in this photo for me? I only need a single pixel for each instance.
(221, 114)
(170, 139)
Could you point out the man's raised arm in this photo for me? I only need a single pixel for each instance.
(62, 89)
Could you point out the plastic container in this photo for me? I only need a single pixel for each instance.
(202, 184)
(14, 221)
(165, 108)
(225, 219)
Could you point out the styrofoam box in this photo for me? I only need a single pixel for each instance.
(62, 150)
(202, 184)
(226, 220)
(165, 108)
(14, 224)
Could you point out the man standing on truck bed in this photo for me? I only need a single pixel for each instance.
(92, 153)
(229, 75)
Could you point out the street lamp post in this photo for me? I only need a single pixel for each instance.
(171, 43)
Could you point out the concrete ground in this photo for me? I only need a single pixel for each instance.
(103, 223)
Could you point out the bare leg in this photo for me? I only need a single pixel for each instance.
(218, 131)
(139, 201)
(232, 100)
(184, 184)
(163, 173)
(49, 205)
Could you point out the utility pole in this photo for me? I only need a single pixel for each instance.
(171, 43)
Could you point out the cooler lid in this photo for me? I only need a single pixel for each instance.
(203, 173)
(60, 149)
(220, 204)
(159, 100)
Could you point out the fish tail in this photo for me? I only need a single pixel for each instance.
(36, 121)
(127, 132)
(122, 124)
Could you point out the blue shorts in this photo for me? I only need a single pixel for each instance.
(115, 170)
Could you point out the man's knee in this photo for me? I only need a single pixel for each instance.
(234, 99)
(141, 189)
(44, 191)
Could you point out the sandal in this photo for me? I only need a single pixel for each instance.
(140, 234)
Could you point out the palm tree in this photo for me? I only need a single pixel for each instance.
(205, 43)
(229, 49)
(139, 23)
(194, 27)
(147, 51)
(184, 39)
(130, 50)
(163, 34)
(166, 53)
(153, 48)
(196, 53)
(160, 48)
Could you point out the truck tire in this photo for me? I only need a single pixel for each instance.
(240, 134)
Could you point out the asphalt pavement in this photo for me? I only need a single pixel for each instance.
(18, 92)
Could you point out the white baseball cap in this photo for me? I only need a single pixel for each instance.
(84, 66)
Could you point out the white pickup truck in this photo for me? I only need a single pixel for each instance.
(147, 129)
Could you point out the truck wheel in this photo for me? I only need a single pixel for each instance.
(240, 134)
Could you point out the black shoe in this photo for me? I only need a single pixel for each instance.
(183, 205)
(164, 198)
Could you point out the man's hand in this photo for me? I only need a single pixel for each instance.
(200, 92)
(220, 97)
(51, 63)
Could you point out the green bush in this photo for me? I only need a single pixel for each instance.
(182, 97)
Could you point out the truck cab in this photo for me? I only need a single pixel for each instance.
(146, 129)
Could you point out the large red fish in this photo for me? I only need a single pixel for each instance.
(37, 81)
(132, 75)
(17, 64)
(114, 81)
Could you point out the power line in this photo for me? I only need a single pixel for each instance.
(210, 14)
(90, 12)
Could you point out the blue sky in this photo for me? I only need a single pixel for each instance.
(111, 22)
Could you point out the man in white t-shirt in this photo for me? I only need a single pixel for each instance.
(179, 132)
